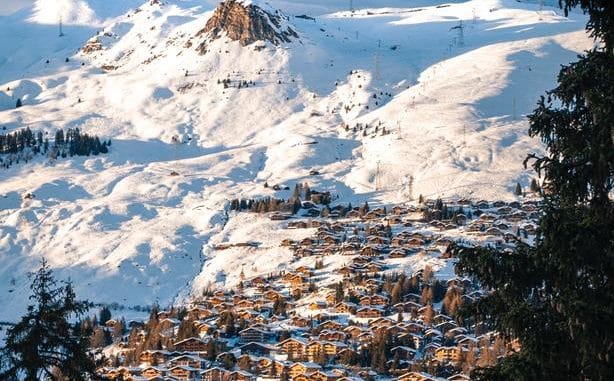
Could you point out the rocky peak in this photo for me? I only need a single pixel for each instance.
(246, 22)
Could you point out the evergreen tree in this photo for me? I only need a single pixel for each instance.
(534, 186)
(105, 315)
(557, 297)
(18, 104)
(339, 292)
(518, 190)
(45, 343)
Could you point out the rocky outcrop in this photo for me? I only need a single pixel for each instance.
(247, 23)
(92, 45)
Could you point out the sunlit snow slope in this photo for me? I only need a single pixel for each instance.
(126, 231)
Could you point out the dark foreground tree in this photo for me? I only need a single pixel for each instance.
(557, 297)
(45, 344)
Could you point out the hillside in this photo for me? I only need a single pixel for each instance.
(153, 78)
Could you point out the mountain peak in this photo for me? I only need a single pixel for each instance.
(247, 22)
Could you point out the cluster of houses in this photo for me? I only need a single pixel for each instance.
(402, 231)
(352, 322)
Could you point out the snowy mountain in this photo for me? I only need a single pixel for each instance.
(393, 99)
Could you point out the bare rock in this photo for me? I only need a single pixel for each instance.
(247, 23)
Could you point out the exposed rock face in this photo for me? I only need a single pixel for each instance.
(92, 45)
(248, 23)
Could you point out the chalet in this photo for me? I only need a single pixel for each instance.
(345, 307)
(313, 350)
(369, 312)
(303, 368)
(459, 377)
(354, 331)
(294, 347)
(448, 354)
(482, 204)
(416, 376)
(493, 231)
(214, 374)
(150, 357)
(399, 210)
(349, 248)
(273, 295)
(397, 253)
(300, 321)
(317, 305)
(244, 303)
(258, 281)
(329, 240)
(331, 299)
(374, 268)
(487, 217)
(192, 344)
(353, 214)
(446, 326)
(305, 270)
(374, 300)
(346, 271)
(187, 360)
(303, 252)
(153, 371)
(301, 224)
(253, 334)
(329, 250)
(183, 373)
(331, 325)
(330, 335)
(415, 242)
(307, 242)
(370, 251)
(199, 313)
(240, 375)
(377, 240)
(247, 314)
(403, 352)
(287, 242)
(321, 375)
(365, 337)
(332, 348)
(168, 323)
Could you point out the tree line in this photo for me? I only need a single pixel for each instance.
(24, 144)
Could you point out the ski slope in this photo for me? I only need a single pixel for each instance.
(126, 231)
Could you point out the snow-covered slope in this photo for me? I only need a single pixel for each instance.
(125, 230)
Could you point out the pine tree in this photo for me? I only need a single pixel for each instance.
(396, 294)
(557, 297)
(518, 190)
(46, 342)
(105, 315)
(339, 292)
(428, 314)
(18, 104)
(534, 186)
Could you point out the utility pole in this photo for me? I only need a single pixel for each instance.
(460, 39)
(61, 31)
(377, 172)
